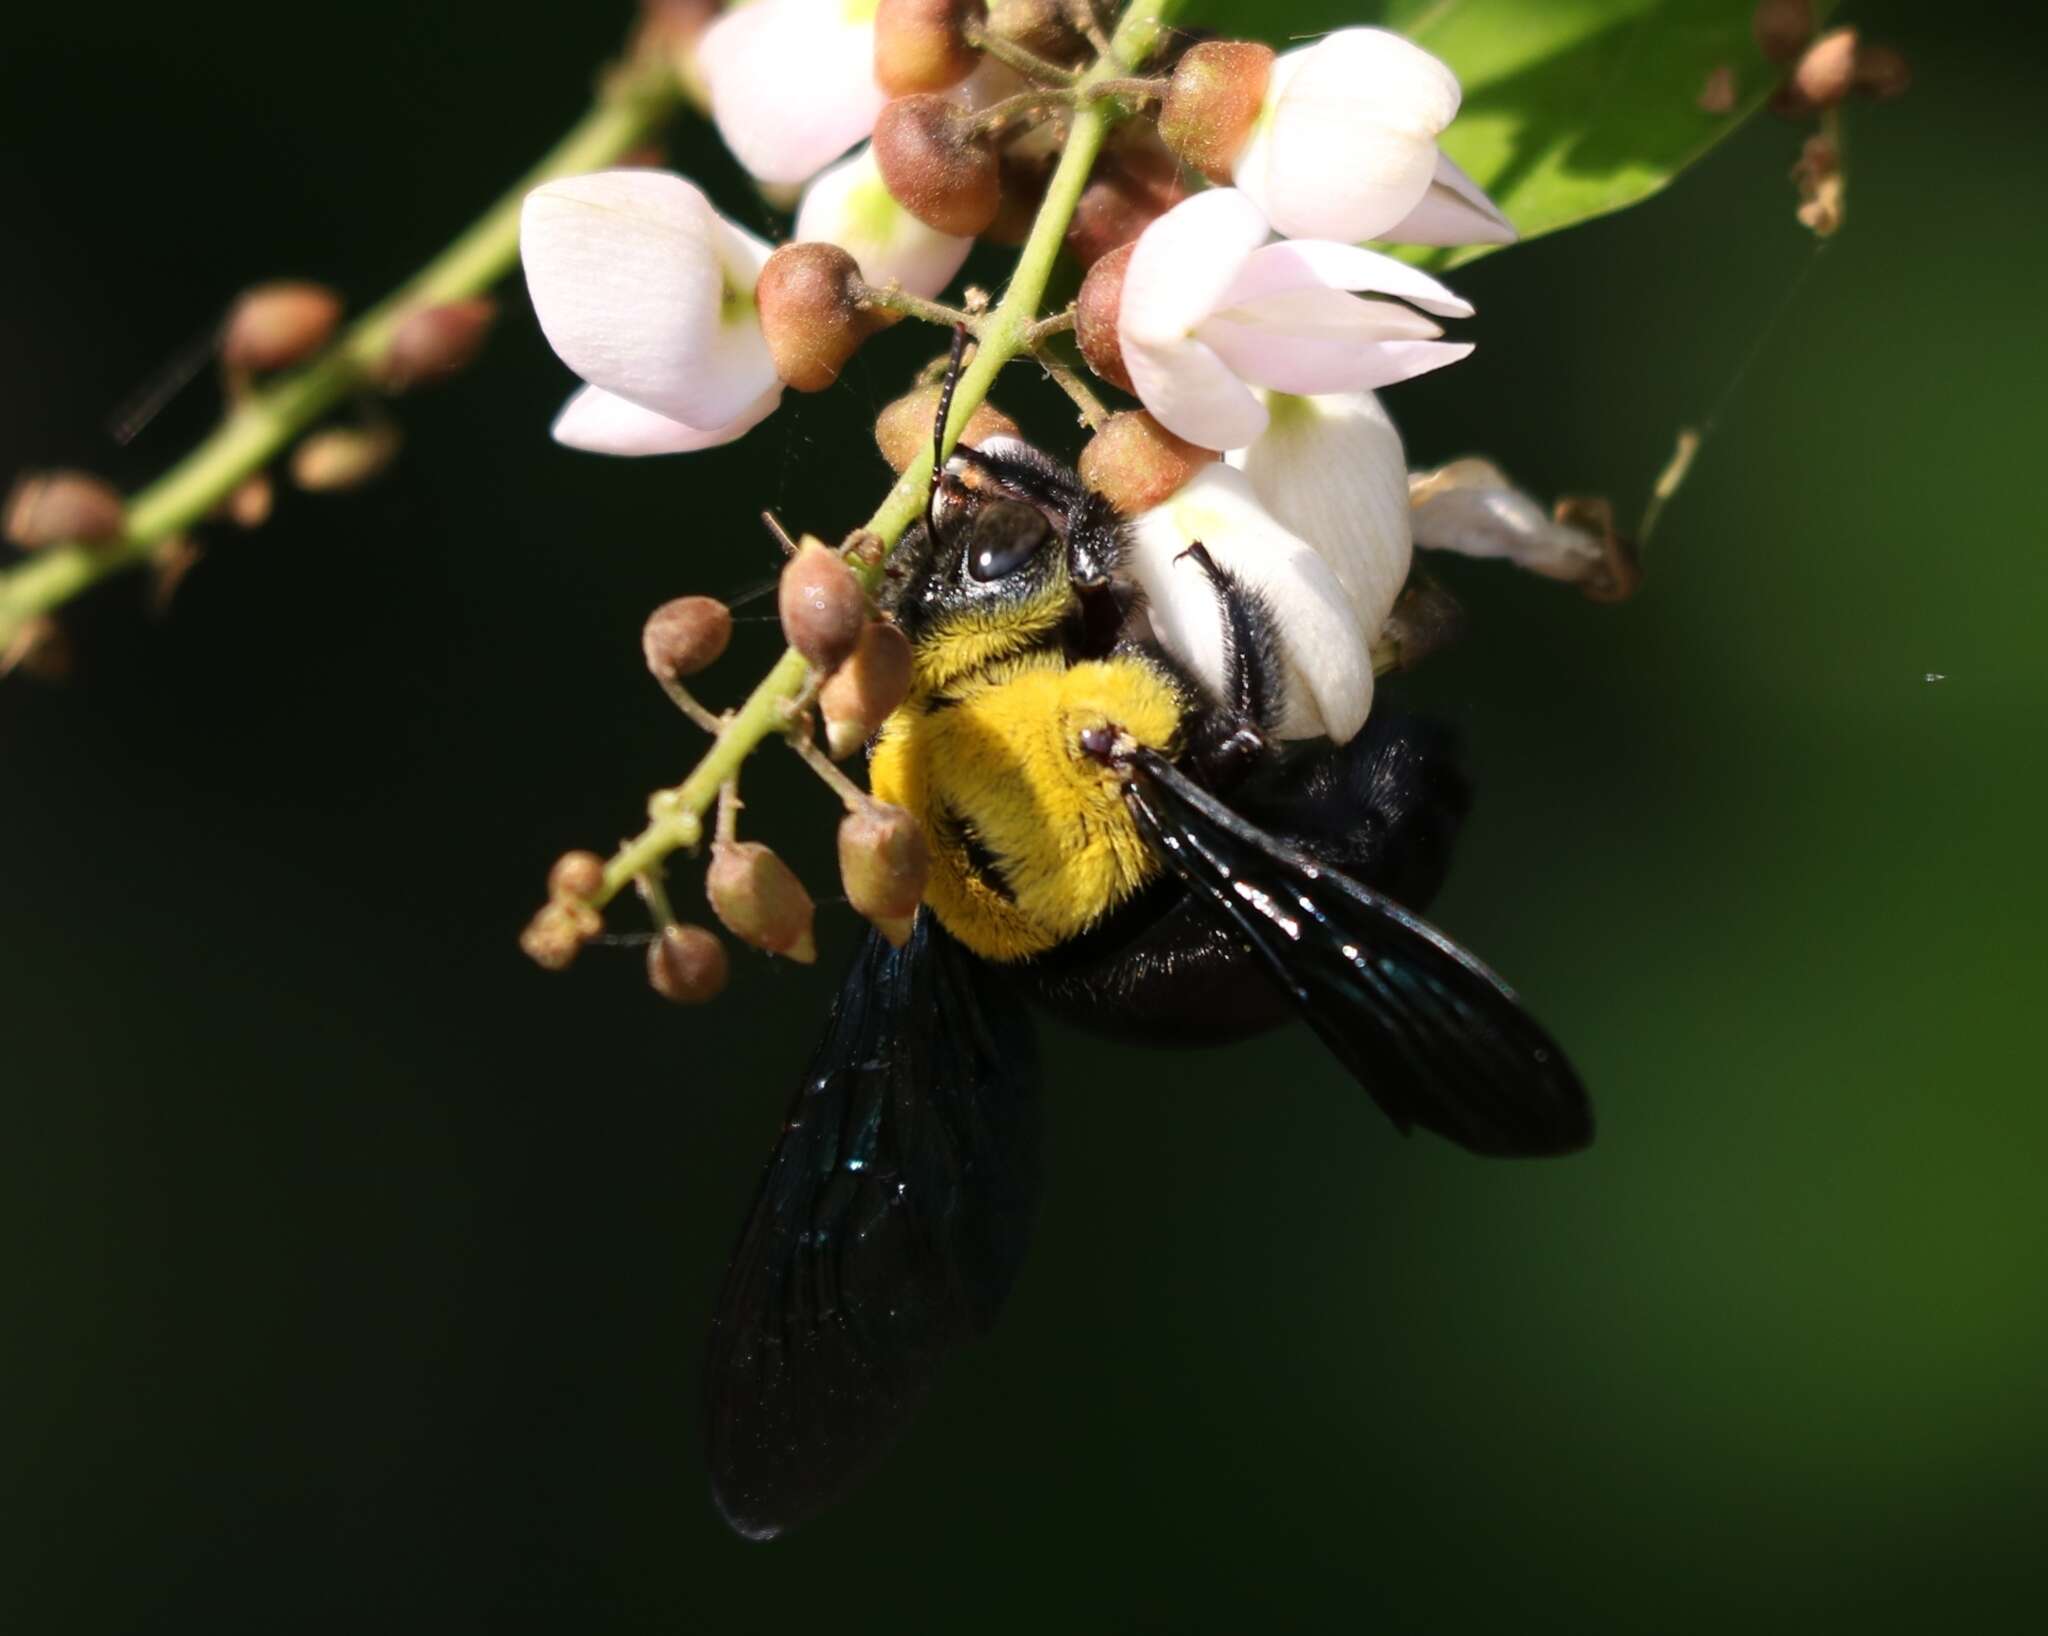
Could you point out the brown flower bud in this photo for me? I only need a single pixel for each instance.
(1095, 315)
(936, 165)
(682, 637)
(1782, 27)
(1136, 463)
(577, 875)
(40, 649)
(809, 298)
(555, 935)
(759, 901)
(1720, 92)
(1042, 27)
(921, 45)
(1828, 69)
(63, 508)
(1136, 182)
(1882, 73)
(883, 862)
(1425, 619)
(903, 431)
(432, 343)
(687, 964)
(273, 326)
(1212, 101)
(860, 695)
(249, 506)
(1818, 177)
(344, 457)
(822, 605)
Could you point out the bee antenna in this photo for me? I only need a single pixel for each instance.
(954, 361)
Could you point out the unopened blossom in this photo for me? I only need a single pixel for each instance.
(647, 293)
(792, 83)
(849, 205)
(1326, 659)
(1211, 310)
(1345, 147)
(1331, 469)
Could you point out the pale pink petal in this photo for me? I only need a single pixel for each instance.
(1312, 341)
(1455, 210)
(1302, 264)
(1194, 394)
(1487, 516)
(596, 421)
(849, 206)
(1184, 262)
(792, 83)
(1392, 362)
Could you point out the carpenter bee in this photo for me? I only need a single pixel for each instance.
(1135, 853)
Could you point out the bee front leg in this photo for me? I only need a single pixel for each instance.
(1227, 741)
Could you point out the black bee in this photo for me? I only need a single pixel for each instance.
(1114, 842)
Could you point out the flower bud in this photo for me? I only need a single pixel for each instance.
(1136, 463)
(883, 862)
(61, 508)
(577, 875)
(687, 964)
(1212, 102)
(432, 343)
(1818, 177)
(1828, 69)
(759, 901)
(1882, 73)
(40, 649)
(1425, 619)
(1095, 317)
(273, 326)
(903, 431)
(1136, 182)
(682, 637)
(809, 298)
(1782, 27)
(860, 695)
(553, 937)
(822, 606)
(1719, 92)
(344, 457)
(921, 45)
(936, 165)
(250, 504)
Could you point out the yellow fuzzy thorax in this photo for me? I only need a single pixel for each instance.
(997, 755)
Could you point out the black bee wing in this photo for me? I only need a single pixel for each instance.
(889, 1226)
(1436, 1038)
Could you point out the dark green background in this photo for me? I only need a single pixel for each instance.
(353, 1273)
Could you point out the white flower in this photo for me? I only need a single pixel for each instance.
(1473, 508)
(1210, 309)
(1331, 469)
(849, 206)
(792, 82)
(647, 293)
(1344, 147)
(1326, 658)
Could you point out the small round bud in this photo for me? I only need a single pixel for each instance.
(1782, 27)
(1136, 182)
(936, 165)
(759, 901)
(1828, 69)
(1042, 27)
(1882, 73)
(687, 964)
(1095, 316)
(1719, 92)
(903, 431)
(63, 508)
(682, 637)
(822, 606)
(553, 937)
(344, 457)
(273, 326)
(883, 863)
(1135, 463)
(435, 342)
(921, 45)
(861, 694)
(1213, 101)
(249, 506)
(578, 875)
(809, 298)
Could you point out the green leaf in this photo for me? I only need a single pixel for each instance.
(1573, 108)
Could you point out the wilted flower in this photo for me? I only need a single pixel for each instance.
(1211, 309)
(850, 206)
(647, 293)
(792, 82)
(1344, 147)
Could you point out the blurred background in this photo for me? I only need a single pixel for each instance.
(355, 1273)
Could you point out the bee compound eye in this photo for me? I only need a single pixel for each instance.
(1007, 535)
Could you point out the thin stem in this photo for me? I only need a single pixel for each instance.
(675, 815)
(655, 896)
(633, 104)
(686, 701)
(894, 298)
(1060, 323)
(1081, 13)
(1069, 381)
(850, 794)
(1131, 90)
(999, 116)
(1025, 61)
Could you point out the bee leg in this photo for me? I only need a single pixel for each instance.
(1227, 742)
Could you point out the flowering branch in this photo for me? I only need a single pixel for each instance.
(633, 103)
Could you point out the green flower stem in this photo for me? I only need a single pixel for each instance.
(675, 816)
(634, 103)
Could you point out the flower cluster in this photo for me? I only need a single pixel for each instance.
(1229, 288)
